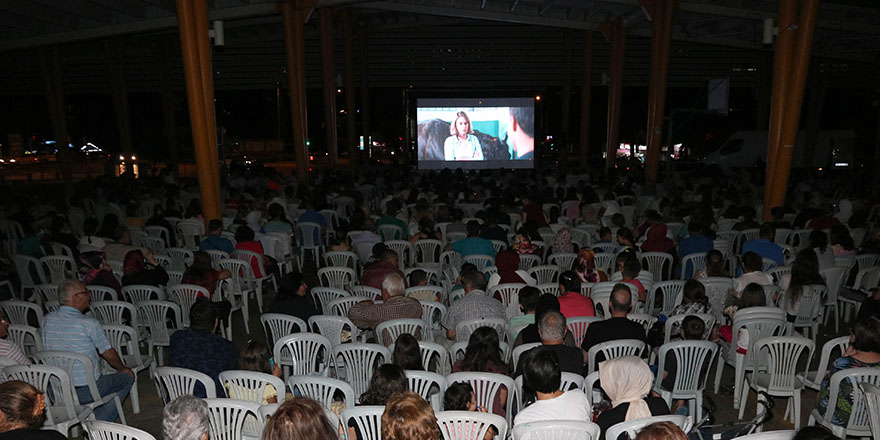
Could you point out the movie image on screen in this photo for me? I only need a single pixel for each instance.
(476, 133)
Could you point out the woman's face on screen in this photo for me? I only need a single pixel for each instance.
(462, 125)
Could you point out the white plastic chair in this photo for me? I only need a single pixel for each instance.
(341, 306)
(124, 340)
(302, 354)
(432, 314)
(58, 268)
(809, 308)
(28, 338)
(834, 281)
(322, 296)
(528, 261)
(322, 389)
(100, 430)
(872, 400)
(695, 262)
(427, 252)
(17, 312)
(509, 294)
(431, 386)
(859, 424)
(277, 325)
(780, 356)
(358, 362)
(66, 360)
(614, 349)
(368, 419)
(481, 261)
(564, 260)
(770, 435)
(156, 315)
(308, 236)
(189, 233)
(396, 327)
(436, 355)
(366, 291)
(545, 274)
(556, 430)
(578, 326)
(250, 385)
(342, 259)
(404, 250)
(659, 264)
(137, 293)
(337, 277)
(464, 329)
(102, 293)
(229, 418)
(632, 427)
(469, 425)
(26, 267)
(251, 276)
(486, 386)
(643, 319)
(180, 258)
(520, 349)
(813, 379)
(670, 293)
(62, 407)
(690, 381)
(185, 295)
(332, 327)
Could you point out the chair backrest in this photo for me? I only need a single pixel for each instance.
(464, 329)
(156, 315)
(562, 260)
(404, 250)
(481, 261)
(124, 339)
(305, 351)
(250, 385)
(113, 312)
(428, 251)
(367, 419)
(322, 389)
(486, 386)
(429, 385)
(690, 359)
(389, 330)
(54, 383)
(27, 267)
(578, 326)
(522, 348)
(332, 327)
(614, 349)
(809, 305)
(644, 319)
(322, 296)
(185, 295)
(337, 277)
(71, 362)
(341, 259)
(470, 425)
(102, 293)
(58, 268)
(545, 274)
(230, 417)
(852, 380)
(770, 435)
(137, 293)
(101, 430)
(694, 262)
(436, 355)
(670, 294)
(365, 291)
(760, 322)
(49, 292)
(358, 362)
(28, 338)
(872, 401)
(341, 306)
(509, 294)
(840, 344)
(781, 354)
(659, 264)
(17, 312)
(181, 258)
(556, 430)
(528, 261)
(251, 258)
(834, 281)
(632, 427)
(433, 313)
(278, 325)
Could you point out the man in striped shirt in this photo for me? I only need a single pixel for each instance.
(67, 329)
(10, 352)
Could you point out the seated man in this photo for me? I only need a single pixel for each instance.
(618, 326)
(199, 348)
(764, 245)
(67, 329)
(552, 329)
(186, 418)
(392, 207)
(753, 272)
(542, 375)
(473, 244)
(475, 304)
(214, 240)
(375, 273)
(367, 314)
(631, 269)
(528, 301)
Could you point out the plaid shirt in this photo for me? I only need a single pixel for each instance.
(366, 315)
(474, 305)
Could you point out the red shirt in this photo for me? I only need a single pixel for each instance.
(253, 246)
(375, 273)
(574, 304)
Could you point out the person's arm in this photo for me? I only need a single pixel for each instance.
(450, 334)
(223, 274)
(112, 358)
(359, 314)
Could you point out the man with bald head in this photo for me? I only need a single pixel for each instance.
(618, 326)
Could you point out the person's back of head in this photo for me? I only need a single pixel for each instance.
(418, 278)
(473, 228)
(215, 226)
(694, 292)
(21, 406)
(458, 397)
(387, 379)
(692, 328)
(814, 433)
(753, 262)
(406, 353)
(661, 431)
(276, 211)
(390, 256)
(90, 226)
(299, 418)
(631, 269)
(621, 299)
(203, 315)
(605, 233)
(378, 250)
(541, 372)
(866, 335)
(752, 296)
(408, 416)
(767, 231)
(255, 357)
(551, 327)
(186, 418)
(777, 213)
(392, 207)
(474, 280)
(393, 284)
(570, 282)
(528, 298)
(244, 233)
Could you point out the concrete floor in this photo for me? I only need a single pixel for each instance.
(150, 416)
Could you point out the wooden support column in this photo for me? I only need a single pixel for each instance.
(800, 63)
(50, 65)
(205, 152)
(200, 13)
(294, 45)
(781, 66)
(350, 107)
(661, 32)
(586, 96)
(615, 33)
(365, 86)
(116, 70)
(328, 70)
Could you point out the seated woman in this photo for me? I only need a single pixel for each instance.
(138, 269)
(257, 356)
(460, 397)
(299, 417)
(202, 273)
(507, 262)
(483, 354)
(244, 241)
(804, 272)
(586, 267)
(277, 220)
(94, 271)
(863, 351)
(293, 298)
(408, 416)
(21, 413)
(752, 296)
(387, 380)
(407, 354)
(627, 381)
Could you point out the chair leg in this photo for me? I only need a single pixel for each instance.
(743, 399)
(135, 401)
(119, 409)
(698, 410)
(758, 406)
(797, 409)
(718, 371)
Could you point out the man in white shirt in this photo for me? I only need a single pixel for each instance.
(542, 375)
(753, 266)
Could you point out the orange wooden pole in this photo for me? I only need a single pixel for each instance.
(781, 68)
(206, 72)
(661, 34)
(586, 96)
(294, 47)
(328, 64)
(615, 33)
(198, 119)
(794, 102)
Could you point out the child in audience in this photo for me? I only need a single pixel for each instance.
(692, 329)
(460, 396)
(257, 357)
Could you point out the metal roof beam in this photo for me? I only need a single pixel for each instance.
(482, 15)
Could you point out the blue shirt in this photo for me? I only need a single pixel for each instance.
(766, 249)
(67, 329)
(693, 244)
(216, 243)
(312, 216)
(205, 353)
(474, 246)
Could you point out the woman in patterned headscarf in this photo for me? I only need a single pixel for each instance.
(563, 242)
(138, 269)
(94, 271)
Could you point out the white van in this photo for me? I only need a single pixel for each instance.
(834, 149)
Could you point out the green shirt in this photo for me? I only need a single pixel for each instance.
(521, 320)
(389, 220)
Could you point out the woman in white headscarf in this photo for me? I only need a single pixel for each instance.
(253, 220)
(844, 210)
(627, 381)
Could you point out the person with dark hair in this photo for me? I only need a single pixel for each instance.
(407, 354)
(714, 266)
(90, 239)
(819, 244)
(521, 132)
(94, 271)
(214, 240)
(199, 348)
(293, 298)
(752, 296)
(483, 354)
(460, 396)
(764, 245)
(604, 234)
(753, 272)
(374, 274)
(408, 416)
(571, 302)
(625, 237)
(21, 413)
(528, 301)
(299, 418)
(473, 244)
(692, 329)
(863, 352)
(138, 269)
(475, 304)
(842, 243)
(814, 433)
(244, 241)
(618, 326)
(804, 272)
(630, 273)
(695, 243)
(257, 356)
(277, 220)
(542, 375)
(387, 379)
(392, 207)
